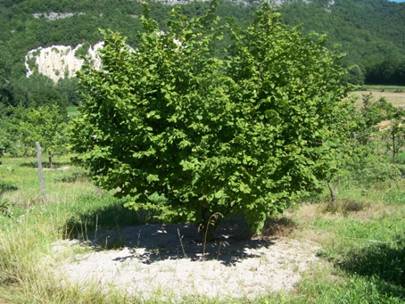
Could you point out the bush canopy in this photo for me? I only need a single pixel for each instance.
(186, 133)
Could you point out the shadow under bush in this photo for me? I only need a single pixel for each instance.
(105, 223)
(73, 177)
(384, 262)
(45, 164)
(5, 187)
(115, 226)
(110, 215)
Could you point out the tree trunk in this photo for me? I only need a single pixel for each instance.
(394, 148)
(332, 192)
(50, 163)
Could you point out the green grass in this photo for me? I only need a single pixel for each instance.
(362, 252)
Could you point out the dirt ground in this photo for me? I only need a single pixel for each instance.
(170, 260)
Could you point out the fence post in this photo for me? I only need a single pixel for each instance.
(40, 170)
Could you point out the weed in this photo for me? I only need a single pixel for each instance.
(282, 226)
(345, 206)
(76, 176)
(6, 207)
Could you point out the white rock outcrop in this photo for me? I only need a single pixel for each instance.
(52, 16)
(60, 61)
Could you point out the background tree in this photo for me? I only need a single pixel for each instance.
(375, 135)
(46, 125)
(355, 75)
(397, 134)
(178, 130)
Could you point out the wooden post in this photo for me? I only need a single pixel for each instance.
(40, 170)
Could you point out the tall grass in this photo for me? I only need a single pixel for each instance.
(26, 237)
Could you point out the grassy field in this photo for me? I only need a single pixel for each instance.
(394, 94)
(385, 88)
(362, 239)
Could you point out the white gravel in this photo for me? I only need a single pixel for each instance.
(230, 269)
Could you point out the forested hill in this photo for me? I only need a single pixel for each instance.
(371, 32)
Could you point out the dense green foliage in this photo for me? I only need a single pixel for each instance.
(21, 127)
(182, 131)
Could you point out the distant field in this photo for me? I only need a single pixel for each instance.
(386, 88)
(394, 94)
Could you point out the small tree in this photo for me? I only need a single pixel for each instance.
(178, 129)
(46, 125)
(397, 134)
(382, 117)
(375, 130)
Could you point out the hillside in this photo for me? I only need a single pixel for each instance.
(368, 31)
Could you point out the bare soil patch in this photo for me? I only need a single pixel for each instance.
(151, 260)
